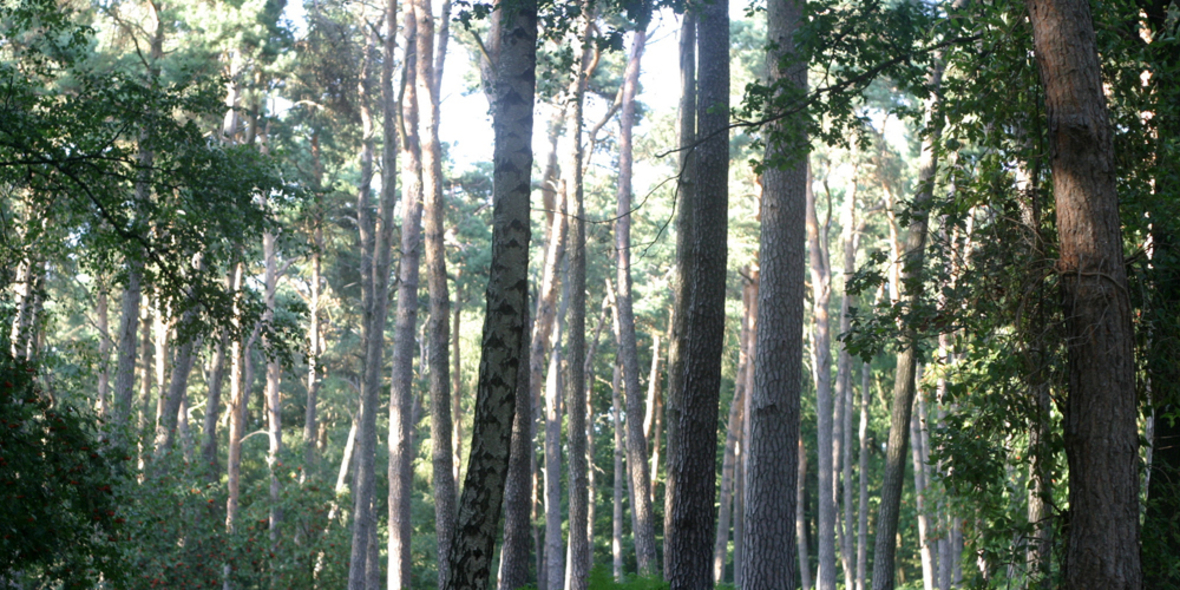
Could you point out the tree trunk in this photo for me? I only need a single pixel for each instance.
(177, 386)
(616, 543)
(775, 397)
(440, 298)
(801, 520)
(128, 347)
(213, 410)
(750, 294)
(401, 427)
(694, 461)
(237, 414)
(924, 553)
(686, 190)
(733, 432)
(457, 387)
(518, 490)
(479, 508)
(862, 524)
(850, 241)
(1101, 436)
(554, 545)
(580, 556)
(274, 409)
(645, 546)
(821, 293)
(910, 279)
(376, 241)
(314, 350)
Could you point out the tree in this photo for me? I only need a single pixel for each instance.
(478, 516)
(1101, 436)
(775, 398)
(693, 461)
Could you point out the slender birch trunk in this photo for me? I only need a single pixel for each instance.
(821, 293)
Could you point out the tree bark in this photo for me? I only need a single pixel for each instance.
(214, 381)
(237, 403)
(733, 433)
(579, 547)
(862, 524)
(694, 461)
(401, 427)
(1101, 437)
(616, 543)
(749, 293)
(438, 337)
(645, 546)
(850, 240)
(682, 280)
(518, 490)
(775, 398)
(920, 477)
(128, 347)
(512, 116)
(554, 544)
(801, 520)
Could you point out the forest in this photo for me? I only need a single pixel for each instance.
(590, 294)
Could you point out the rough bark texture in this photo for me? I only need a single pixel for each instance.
(401, 397)
(769, 560)
(438, 324)
(682, 280)
(483, 490)
(1101, 438)
(554, 543)
(694, 461)
(645, 544)
(749, 293)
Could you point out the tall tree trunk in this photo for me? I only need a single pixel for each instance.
(128, 347)
(177, 388)
(438, 323)
(1101, 436)
(645, 544)
(821, 293)
(401, 427)
(850, 241)
(694, 461)
(862, 523)
(801, 519)
(910, 273)
(686, 190)
(775, 397)
(650, 412)
(237, 414)
(101, 304)
(924, 553)
(578, 568)
(512, 115)
(314, 350)
(274, 407)
(457, 387)
(750, 294)
(733, 432)
(214, 380)
(554, 545)
(592, 477)
(616, 543)
(376, 240)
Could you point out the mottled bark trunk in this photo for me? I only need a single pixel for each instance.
(401, 427)
(237, 414)
(512, 113)
(775, 398)
(554, 544)
(1101, 437)
(177, 388)
(274, 404)
(920, 477)
(645, 547)
(850, 242)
